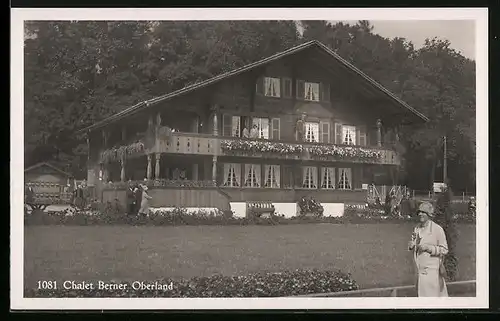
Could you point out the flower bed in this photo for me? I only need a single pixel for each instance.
(266, 284)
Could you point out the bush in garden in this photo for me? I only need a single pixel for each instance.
(310, 206)
(264, 284)
(112, 213)
(445, 218)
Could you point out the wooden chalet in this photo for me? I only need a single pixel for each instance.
(188, 145)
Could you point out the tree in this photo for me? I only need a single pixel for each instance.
(444, 217)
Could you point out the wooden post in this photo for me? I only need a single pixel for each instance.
(379, 133)
(215, 115)
(150, 167)
(214, 169)
(122, 173)
(124, 133)
(157, 165)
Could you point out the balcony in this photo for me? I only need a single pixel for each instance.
(203, 144)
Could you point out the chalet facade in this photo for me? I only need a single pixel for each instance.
(321, 128)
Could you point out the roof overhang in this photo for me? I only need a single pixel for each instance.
(336, 62)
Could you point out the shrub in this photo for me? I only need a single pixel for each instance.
(264, 284)
(309, 206)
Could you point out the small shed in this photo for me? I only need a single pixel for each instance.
(47, 183)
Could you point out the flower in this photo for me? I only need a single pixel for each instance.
(340, 152)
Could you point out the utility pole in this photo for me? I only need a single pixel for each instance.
(445, 165)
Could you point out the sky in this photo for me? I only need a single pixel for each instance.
(460, 33)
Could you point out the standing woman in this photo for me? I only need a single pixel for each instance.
(144, 210)
(429, 247)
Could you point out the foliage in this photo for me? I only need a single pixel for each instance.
(309, 206)
(118, 152)
(263, 284)
(445, 218)
(80, 72)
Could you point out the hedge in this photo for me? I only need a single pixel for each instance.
(113, 214)
(264, 284)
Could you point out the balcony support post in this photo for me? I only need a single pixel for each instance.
(215, 110)
(379, 133)
(214, 169)
(122, 172)
(149, 173)
(157, 165)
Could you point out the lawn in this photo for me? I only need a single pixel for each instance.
(375, 254)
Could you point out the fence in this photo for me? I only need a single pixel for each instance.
(455, 289)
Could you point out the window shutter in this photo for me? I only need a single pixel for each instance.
(260, 86)
(358, 177)
(227, 122)
(287, 87)
(362, 136)
(325, 132)
(275, 128)
(297, 175)
(300, 89)
(325, 91)
(338, 133)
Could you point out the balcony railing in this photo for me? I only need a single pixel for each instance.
(203, 144)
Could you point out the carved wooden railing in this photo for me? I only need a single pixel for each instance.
(206, 144)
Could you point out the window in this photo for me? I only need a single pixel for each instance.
(325, 132)
(345, 177)
(311, 132)
(311, 91)
(310, 177)
(275, 128)
(231, 125)
(272, 176)
(288, 176)
(327, 177)
(252, 175)
(232, 175)
(348, 135)
(262, 127)
(272, 87)
(287, 87)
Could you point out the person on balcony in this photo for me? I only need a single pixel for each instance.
(254, 132)
(429, 246)
(144, 210)
(245, 133)
(300, 128)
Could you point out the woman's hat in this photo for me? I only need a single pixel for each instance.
(144, 187)
(426, 208)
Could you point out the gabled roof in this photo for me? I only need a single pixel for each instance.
(314, 43)
(48, 165)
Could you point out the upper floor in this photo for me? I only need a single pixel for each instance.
(300, 99)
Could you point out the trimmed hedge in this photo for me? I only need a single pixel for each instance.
(266, 284)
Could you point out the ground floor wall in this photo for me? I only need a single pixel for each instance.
(284, 201)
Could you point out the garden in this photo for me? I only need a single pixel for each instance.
(214, 254)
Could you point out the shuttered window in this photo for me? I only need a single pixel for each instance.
(300, 89)
(325, 132)
(345, 178)
(338, 133)
(259, 86)
(311, 132)
(361, 136)
(287, 87)
(324, 92)
(275, 128)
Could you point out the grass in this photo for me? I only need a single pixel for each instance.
(375, 254)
